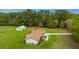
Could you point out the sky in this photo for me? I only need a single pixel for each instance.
(10, 10)
(76, 11)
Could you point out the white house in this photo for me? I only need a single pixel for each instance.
(35, 37)
(20, 28)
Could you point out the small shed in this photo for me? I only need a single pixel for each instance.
(35, 36)
(20, 28)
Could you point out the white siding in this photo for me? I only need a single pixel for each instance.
(21, 28)
(46, 39)
(32, 41)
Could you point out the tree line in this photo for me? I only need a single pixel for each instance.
(29, 17)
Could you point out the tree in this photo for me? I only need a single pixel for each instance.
(73, 26)
(68, 23)
(53, 23)
(31, 17)
(44, 16)
(40, 24)
(62, 15)
(75, 30)
(62, 24)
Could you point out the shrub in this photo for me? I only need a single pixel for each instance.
(73, 25)
(61, 24)
(68, 23)
(53, 23)
(40, 24)
(75, 30)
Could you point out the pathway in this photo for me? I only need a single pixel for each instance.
(47, 34)
(58, 33)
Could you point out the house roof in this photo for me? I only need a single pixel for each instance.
(36, 34)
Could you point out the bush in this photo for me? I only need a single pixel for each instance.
(68, 23)
(73, 25)
(40, 24)
(53, 23)
(75, 30)
(76, 36)
(61, 24)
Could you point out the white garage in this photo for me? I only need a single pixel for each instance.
(20, 28)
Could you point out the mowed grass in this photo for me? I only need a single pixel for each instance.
(10, 38)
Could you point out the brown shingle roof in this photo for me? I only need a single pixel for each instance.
(36, 34)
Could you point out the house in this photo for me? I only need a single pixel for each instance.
(36, 36)
(20, 28)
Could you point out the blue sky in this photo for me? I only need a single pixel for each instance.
(76, 11)
(10, 10)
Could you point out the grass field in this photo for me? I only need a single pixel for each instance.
(10, 38)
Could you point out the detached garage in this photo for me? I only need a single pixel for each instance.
(20, 28)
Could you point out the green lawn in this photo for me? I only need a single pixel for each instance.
(10, 38)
